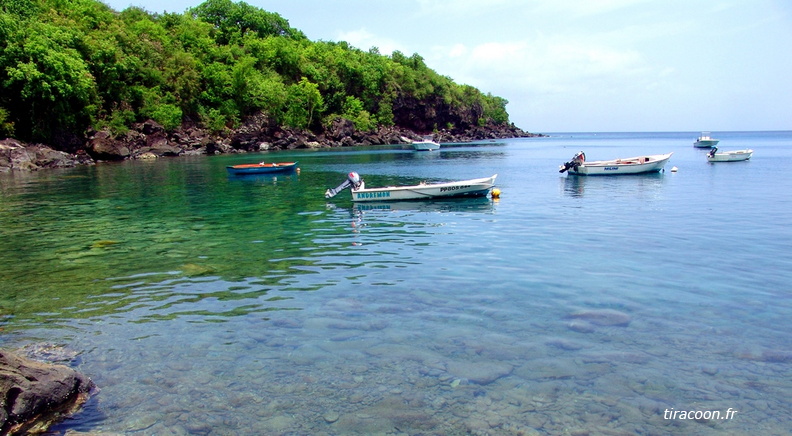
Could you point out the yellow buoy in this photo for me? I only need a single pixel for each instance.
(495, 193)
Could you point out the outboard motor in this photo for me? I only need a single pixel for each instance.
(353, 180)
(713, 151)
(576, 161)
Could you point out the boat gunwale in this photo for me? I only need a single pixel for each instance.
(630, 161)
(733, 152)
(266, 165)
(480, 181)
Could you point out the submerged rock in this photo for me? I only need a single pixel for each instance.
(564, 344)
(580, 326)
(767, 355)
(195, 270)
(780, 356)
(603, 317)
(49, 353)
(481, 373)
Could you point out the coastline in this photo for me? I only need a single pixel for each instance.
(149, 140)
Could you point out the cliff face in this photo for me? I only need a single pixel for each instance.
(426, 116)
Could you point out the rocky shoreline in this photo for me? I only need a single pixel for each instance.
(150, 140)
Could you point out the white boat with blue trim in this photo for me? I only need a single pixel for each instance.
(628, 165)
(422, 191)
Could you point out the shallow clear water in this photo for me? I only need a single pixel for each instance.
(206, 304)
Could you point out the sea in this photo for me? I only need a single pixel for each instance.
(202, 303)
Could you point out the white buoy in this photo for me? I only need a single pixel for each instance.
(674, 169)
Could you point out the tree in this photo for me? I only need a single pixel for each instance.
(233, 20)
(20, 8)
(6, 126)
(51, 87)
(353, 111)
(304, 100)
(495, 109)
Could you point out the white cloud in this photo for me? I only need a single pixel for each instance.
(458, 50)
(364, 40)
(542, 66)
(583, 8)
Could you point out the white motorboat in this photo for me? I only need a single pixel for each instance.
(728, 156)
(426, 144)
(630, 165)
(705, 141)
(422, 191)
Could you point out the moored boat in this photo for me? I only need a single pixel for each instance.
(426, 144)
(728, 156)
(705, 141)
(630, 165)
(422, 191)
(262, 168)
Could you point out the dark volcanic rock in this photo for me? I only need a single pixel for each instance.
(102, 146)
(159, 146)
(256, 133)
(36, 395)
(341, 128)
(16, 155)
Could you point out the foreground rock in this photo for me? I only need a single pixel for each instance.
(35, 395)
(16, 155)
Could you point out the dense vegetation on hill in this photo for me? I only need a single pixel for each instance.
(69, 66)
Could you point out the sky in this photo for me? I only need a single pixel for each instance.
(579, 65)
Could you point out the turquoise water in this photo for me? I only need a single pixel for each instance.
(206, 304)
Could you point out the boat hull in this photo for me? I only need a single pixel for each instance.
(279, 167)
(425, 145)
(731, 156)
(632, 165)
(706, 143)
(464, 188)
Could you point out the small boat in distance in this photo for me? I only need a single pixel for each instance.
(422, 191)
(261, 168)
(426, 144)
(728, 156)
(630, 165)
(705, 141)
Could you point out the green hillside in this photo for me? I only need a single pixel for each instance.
(71, 66)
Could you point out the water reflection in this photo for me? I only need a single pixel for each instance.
(408, 226)
(480, 204)
(265, 179)
(613, 186)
